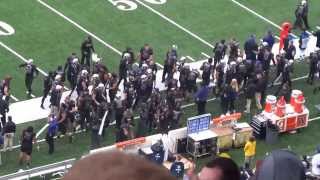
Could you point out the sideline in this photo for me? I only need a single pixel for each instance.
(206, 55)
(14, 98)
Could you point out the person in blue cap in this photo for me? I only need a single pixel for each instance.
(177, 168)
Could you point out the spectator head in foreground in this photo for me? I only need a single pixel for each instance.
(281, 165)
(116, 166)
(219, 169)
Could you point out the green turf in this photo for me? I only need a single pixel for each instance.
(143, 26)
(10, 67)
(214, 19)
(283, 11)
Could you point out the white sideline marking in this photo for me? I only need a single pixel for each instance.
(206, 55)
(174, 23)
(189, 57)
(160, 65)
(42, 130)
(21, 57)
(258, 15)
(313, 119)
(103, 122)
(38, 141)
(79, 26)
(298, 78)
(14, 98)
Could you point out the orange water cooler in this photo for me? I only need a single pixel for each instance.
(271, 102)
(299, 104)
(294, 95)
(281, 107)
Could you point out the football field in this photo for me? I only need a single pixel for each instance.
(48, 31)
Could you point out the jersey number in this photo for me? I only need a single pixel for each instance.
(128, 5)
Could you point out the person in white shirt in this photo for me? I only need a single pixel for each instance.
(315, 163)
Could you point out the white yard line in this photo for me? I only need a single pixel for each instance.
(189, 57)
(84, 29)
(206, 55)
(80, 27)
(298, 78)
(258, 15)
(160, 65)
(294, 79)
(110, 46)
(24, 60)
(14, 98)
(175, 24)
(40, 141)
(313, 119)
(42, 130)
(20, 57)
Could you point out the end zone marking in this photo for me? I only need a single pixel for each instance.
(79, 26)
(174, 23)
(258, 15)
(206, 55)
(189, 57)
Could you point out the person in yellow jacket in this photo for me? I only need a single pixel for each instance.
(249, 151)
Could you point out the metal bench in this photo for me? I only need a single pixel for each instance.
(62, 166)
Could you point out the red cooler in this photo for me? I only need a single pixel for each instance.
(271, 102)
(294, 95)
(299, 104)
(281, 107)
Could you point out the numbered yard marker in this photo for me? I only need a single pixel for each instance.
(124, 5)
(129, 5)
(156, 1)
(6, 29)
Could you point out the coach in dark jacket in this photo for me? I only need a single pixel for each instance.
(201, 97)
(249, 93)
(4, 108)
(251, 48)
